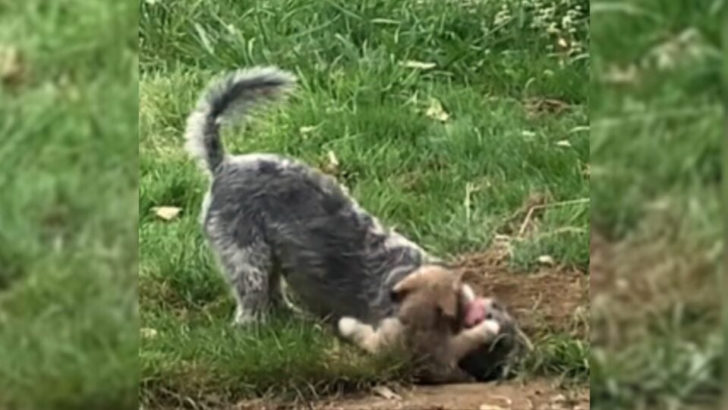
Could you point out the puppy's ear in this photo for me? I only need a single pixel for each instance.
(448, 304)
(406, 285)
(448, 301)
(457, 278)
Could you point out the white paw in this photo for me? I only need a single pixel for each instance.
(348, 326)
(245, 318)
(491, 326)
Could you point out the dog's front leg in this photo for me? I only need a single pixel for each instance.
(471, 339)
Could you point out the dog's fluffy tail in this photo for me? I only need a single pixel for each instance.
(236, 93)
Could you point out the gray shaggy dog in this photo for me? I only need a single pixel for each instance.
(274, 221)
(270, 218)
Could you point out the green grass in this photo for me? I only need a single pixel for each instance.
(68, 174)
(656, 160)
(450, 186)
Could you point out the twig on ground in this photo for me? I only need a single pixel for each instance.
(533, 208)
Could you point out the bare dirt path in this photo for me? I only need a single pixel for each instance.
(538, 394)
(533, 395)
(553, 299)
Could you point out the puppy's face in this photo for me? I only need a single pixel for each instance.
(479, 309)
(432, 284)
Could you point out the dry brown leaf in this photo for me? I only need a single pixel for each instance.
(12, 66)
(167, 212)
(332, 163)
(559, 398)
(306, 129)
(386, 392)
(546, 260)
(536, 106)
(148, 333)
(436, 112)
(418, 65)
(618, 75)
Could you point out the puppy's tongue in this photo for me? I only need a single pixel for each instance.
(474, 313)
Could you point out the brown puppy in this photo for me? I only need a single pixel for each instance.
(428, 325)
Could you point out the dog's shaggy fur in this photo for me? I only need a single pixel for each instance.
(272, 220)
(268, 216)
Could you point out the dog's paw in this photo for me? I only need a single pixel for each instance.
(245, 318)
(348, 326)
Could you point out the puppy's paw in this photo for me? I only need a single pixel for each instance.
(348, 326)
(491, 327)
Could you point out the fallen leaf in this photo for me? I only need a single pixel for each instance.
(12, 66)
(559, 398)
(546, 260)
(536, 106)
(618, 75)
(306, 129)
(621, 284)
(436, 112)
(386, 392)
(167, 212)
(332, 163)
(563, 143)
(418, 65)
(148, 333)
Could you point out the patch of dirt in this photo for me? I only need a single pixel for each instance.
(534, 395)
(553, 299)
(547, 301)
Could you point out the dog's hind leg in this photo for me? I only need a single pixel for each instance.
(249, 275)
(246, 259)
